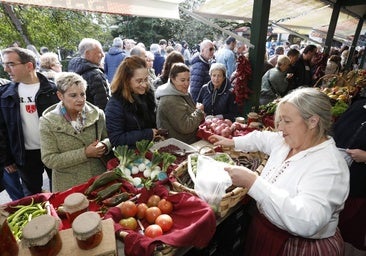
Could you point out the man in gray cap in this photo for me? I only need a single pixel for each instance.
(113, 58)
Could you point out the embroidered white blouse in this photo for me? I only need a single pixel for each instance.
(303, 194)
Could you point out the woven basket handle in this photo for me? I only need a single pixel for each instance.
(338, 77)
(211, 150)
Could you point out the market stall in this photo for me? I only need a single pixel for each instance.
(193, 220)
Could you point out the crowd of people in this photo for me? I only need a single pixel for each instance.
(63, 120)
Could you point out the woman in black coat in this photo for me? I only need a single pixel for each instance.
(131, 111)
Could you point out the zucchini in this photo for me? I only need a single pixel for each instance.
(108, 191)
(102, 180)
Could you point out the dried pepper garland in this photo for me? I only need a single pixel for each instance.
(240, 80)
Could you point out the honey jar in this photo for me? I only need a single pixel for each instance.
(74, 205)
(42, 237)
(87, 229)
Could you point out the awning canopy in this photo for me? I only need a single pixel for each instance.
(146, 8)
(302, 17)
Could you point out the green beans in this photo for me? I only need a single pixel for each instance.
(23, 215)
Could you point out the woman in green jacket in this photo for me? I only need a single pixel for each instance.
(73, 135)
(177, 111)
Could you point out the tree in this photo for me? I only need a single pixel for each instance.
(54, 28)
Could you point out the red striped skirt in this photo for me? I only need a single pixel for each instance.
(265, 239)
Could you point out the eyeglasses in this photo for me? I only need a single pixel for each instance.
(10, 64)
(142, 81)
(211, 49)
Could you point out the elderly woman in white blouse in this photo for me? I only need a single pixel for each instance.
(304, 184)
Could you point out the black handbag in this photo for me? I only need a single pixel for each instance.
(110, 155)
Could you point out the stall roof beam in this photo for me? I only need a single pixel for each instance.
(146, 8)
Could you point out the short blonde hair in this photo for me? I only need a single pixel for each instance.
(67, 79)
(48, 59)
(283, 60)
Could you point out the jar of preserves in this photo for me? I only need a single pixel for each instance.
(240, 119)
(87, 229)
(252, 117)
(8, 244)
(74, 205)
(42, 237)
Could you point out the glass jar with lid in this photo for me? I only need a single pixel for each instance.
(252, 117)
(42, 237)
(8, 244)
(87, 229)
(74, 205)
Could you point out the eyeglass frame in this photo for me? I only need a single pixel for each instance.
(10, 64)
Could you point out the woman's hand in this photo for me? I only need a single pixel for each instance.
(200, 106)
(95, 149)
(218, 140)
(241, 176)
(357, 155)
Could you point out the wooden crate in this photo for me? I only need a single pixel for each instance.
(69, 246)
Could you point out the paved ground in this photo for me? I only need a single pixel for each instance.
(4, 198)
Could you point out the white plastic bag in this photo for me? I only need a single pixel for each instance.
(211, 180)
(346, 156)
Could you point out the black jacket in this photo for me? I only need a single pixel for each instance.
(349, 133)
(10, 121)
(128, 122)
(97, 91)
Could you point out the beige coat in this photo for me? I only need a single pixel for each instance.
(63, 149)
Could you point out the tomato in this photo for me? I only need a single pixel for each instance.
(151, 214)
(165, 206)
(153, 231)
(141, 209)
(129, 223)
(153, 200)
(165, 222)
(128, 209)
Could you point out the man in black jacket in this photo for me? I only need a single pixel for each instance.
(88, 65)
(302, 69)
(22, 102)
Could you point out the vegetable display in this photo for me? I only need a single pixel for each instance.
(138, 169)
(23, 215)
(223, 127)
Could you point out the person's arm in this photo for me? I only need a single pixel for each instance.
(358, 155)
(182, 117)
(295, 198)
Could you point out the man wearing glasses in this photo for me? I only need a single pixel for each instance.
(200, 65)
(21, 104)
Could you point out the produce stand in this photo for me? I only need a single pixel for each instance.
(194, 221)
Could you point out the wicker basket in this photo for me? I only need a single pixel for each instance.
(233, 194)
(332, 81)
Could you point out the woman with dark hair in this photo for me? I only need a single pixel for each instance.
(130, 112)
(177, 111)
(173, 57)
